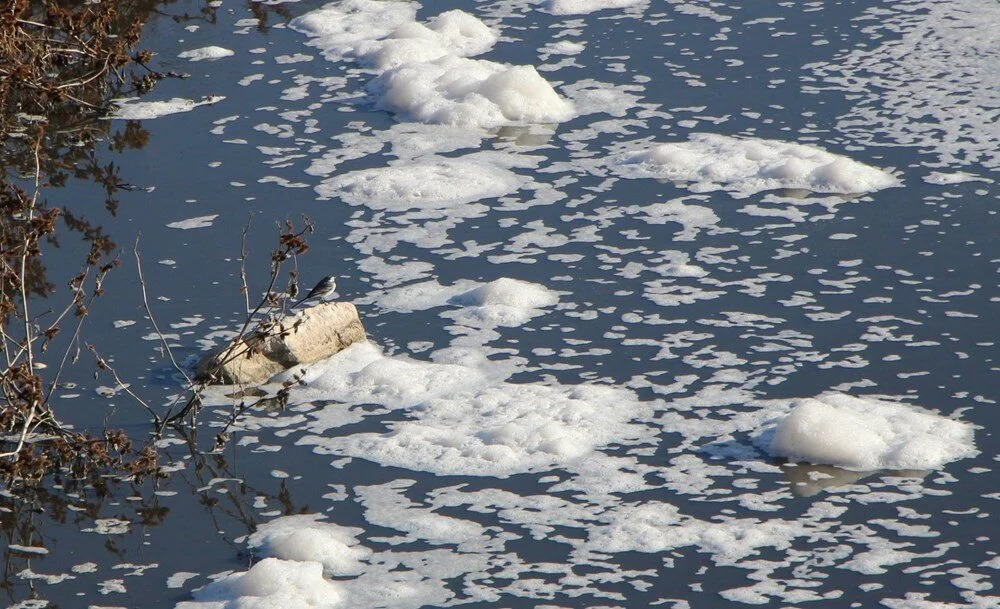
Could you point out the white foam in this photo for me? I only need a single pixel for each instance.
(131, 109)
(508, 292)
(209, 53)
(384, 35)
(563, 47)
(470, 93)
(270, 584)
(294, 58)
(465, 418)
(476, 309)
(177, 579)
(425, 71)
(197, 222)
(433, 183)
(306, 538)
(408, 141)
(504, 302)
(692, 218)
(109, 526)
(495, 430)
(386, 505)
(867, 434)
(591, 96)
(453, 32)
(744, 166)
(656, 527)
(508, 301)
(28, 549)
(956, 177)
(584, 7)
(496, 400)
(340, 28)
(929, 80)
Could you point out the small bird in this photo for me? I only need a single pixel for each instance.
(323, 291)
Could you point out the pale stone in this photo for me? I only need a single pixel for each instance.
(303, 337)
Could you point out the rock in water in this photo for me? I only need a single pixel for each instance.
(304, 337)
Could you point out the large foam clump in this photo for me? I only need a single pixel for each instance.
(744, 166)
(509, 292)
(584, 7)
(867, 434)
(270, 584)
(300, 552)
(307, 538)
(383, 35)
(428, 184)
(341, 29)
(453, 32)
(425, 73)
(467, 92)
(503, 302)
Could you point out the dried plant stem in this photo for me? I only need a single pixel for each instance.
(290, 244)
(29, 418)
(244, 253)
(152, 319)
(103, 364)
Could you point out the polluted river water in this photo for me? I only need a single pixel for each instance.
(669, 303)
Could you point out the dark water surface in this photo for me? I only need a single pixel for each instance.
(702, 309)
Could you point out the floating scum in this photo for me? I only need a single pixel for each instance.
(131, 109)
(466, 417)
(434, 183)
(209, 53)
(746, 166)
(867, 434)
(591, 446)
(424, 72)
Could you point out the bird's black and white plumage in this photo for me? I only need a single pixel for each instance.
(324, 290)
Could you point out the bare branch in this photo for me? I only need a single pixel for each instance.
(104, 365)
(152, 320)
(244, 253)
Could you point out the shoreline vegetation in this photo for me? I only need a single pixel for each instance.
(61, 65)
